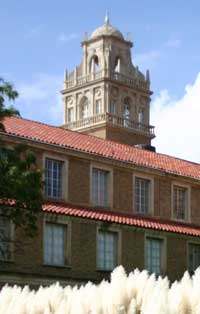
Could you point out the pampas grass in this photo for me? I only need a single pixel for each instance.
(135, 293)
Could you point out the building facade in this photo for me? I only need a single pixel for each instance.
(109, 199)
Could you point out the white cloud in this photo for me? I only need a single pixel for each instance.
(177, 123)
(40, 98)
(65, 38)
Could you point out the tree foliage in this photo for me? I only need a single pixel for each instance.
(20, 179)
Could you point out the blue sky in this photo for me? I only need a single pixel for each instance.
(39, 39)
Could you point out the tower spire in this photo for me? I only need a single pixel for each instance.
(107, 20)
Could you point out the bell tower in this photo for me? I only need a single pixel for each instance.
(106, 95)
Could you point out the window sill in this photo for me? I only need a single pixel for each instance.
(57, 266)
(186, 221)
(106, 271)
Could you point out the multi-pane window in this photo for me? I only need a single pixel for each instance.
(107, 250)
(5, 238)
(180, 202)
(54, 244)
(98, 106)
(100, 187)
(154, 251)
(142, 195)
(194, 256)
(70, 114)
(53, 178)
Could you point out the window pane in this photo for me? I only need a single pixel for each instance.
(180, 202)
(53, 178)
(70, 114)
(107, 250)
(194, 256)
(54, 244)
(98, 106)
(100, 187)
(154, 255)
(142, 195)
(5, 238)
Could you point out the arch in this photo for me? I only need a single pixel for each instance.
(84, 107)
(118, 64)
(94, 64)
(127, 111)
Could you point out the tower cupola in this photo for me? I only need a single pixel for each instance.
(106, 95)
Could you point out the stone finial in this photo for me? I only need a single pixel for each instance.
(85, 36)
(65, 75)
(128, 36)
(147, 76)
(107, 20)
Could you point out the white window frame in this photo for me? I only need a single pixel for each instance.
(151, 192)
(66, 222)
(152, 236)
(193, 242)
(188, 201)
(64, 176)
(110, 184)
(119, 245)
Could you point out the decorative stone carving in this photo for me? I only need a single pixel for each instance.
(70, 101)
(97, 92)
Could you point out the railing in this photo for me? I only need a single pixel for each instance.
(112, 119)
(82, 80)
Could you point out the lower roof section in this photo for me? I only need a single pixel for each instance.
(123, 219)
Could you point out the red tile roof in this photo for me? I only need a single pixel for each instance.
(124, 219)
(44, 133)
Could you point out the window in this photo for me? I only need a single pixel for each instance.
(154, 255)
(141, 117)
(5, 238)
(194, 256)
(54, 243)
(180, 202)
(142, 195)
(53, 178)
(113, 108)
(84, 108)
(70, 114)
(107, 250)
(126, 112)
(100, 187)
(98, 106)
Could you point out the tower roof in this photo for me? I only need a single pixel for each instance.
(106, 30)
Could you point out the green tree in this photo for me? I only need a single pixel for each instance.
(20, 179)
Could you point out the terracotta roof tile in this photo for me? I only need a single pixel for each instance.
(69, 139)
(124, 219)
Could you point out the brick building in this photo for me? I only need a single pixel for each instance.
(110, 199)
